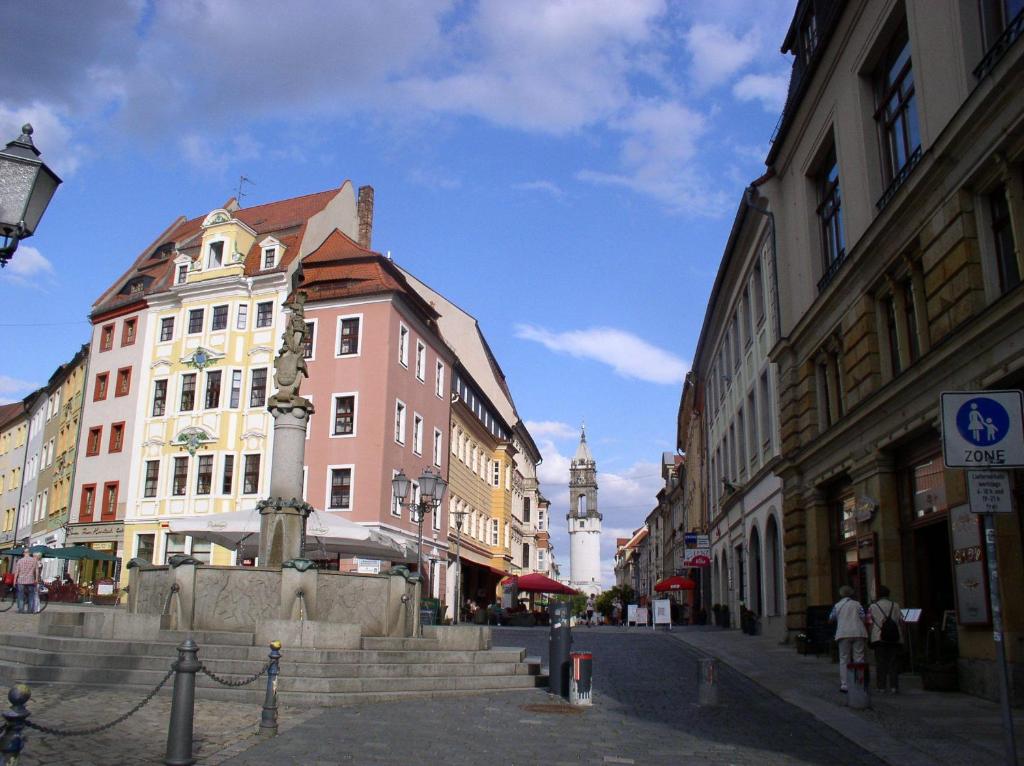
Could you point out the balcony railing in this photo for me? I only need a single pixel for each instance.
(831, 271)
(897, 181)
(1000, 46)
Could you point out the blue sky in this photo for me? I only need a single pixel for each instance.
(565, 171)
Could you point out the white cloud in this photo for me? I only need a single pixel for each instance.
(717, 54)
(51, 135)
(13, 389)
(629, 355)
(770, 90)
(554, 429)
(550, 187)
(28, 267)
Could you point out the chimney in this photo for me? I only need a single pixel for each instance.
(364, 209)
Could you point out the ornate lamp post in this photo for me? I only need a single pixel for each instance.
(26, 188)
(460, 518)
(432, 488)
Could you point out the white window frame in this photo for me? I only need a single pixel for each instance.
(421, 361)
(263, 257)
(439, 379)
(396, 506)
(224, 253)
(403, 345)
(355, 415)
(400, 415)
(337, 337)
(312, 357)
(417, 433)
(242, 317)
(495, 473)
(435, 522)
(351, 491)
(438, 446)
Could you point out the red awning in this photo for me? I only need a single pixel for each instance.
(677, 582)
(538, 583)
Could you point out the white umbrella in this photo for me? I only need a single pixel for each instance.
(240, 530)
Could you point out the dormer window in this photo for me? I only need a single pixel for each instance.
(269, 257)
(182, 273)
(215, 257)
(271, 250)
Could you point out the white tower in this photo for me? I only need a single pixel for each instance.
(584, 521)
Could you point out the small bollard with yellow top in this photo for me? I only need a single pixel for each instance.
(268, 720)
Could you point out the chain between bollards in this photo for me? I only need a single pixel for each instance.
(268, 721)
(13, 742)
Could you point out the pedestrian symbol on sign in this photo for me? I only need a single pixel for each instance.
(982, 421)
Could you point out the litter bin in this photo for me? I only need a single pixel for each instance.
(581, 683)
(559, 641)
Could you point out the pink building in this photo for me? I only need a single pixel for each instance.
(379, 379)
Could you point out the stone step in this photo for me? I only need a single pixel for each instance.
(201, 637)
(400, 644)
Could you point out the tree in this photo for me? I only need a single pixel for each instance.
(606, 601)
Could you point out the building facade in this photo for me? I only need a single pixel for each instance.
(897, 185)
(13, 436)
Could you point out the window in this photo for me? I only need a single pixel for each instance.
(109, 510)
(242, 320)
(92, 444)
(202, 550)
(215, 256)
(348, 336)
(265, 314)
(421, 361)
(179, 480)
(341, 489)
(399, 422)
(144, 547)
(435, 520)
(910, 318)
(403, 345)
(195, 321)
(88, 506)
(495, 530)
(213, 389)
(152, 477)
(495, 473)
(236, 389)
(344, 415)
(736, 358)
(829, 213)
(757, 288)
(766, 415)
(996, 16)
(228, 478)
(1008, 271)
(896, 114)
(174, 546)
(396, 505)
(526, 509)
(124, 381)
(417, 434)
(166, 329)
(808, 36)
(752, 422)
(220, 318)
(269, 257)
(128, 332)
(439, 380)
(107, 337)
(309, 340)
(182, 273)
(258, 388)
(188, 392)
(116, 437)
(251, 475)
(437, 447)
(99, 391)
(204, 475)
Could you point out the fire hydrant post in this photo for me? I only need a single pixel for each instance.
(581, 682)
(707, 686)
(858, 686)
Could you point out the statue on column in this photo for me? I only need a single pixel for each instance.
(290, 364)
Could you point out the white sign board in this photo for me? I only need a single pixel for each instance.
(105, 589)
(631, 614)
(989, 491)
(982, 429)
(697, 557)
(662, 612)
(911, 615)
(368, 566)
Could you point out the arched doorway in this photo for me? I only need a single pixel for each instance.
(774, 592)
(754, 561)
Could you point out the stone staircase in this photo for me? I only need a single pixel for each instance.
(382, 669)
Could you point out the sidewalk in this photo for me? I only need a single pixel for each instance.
(911, 728)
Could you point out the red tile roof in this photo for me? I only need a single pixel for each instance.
(9, 412)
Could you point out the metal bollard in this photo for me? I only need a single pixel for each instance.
(707, 685)
(183, 706)
(268, 720)
(12, 742)
(858, 685)
(559, 641)
(581, 686)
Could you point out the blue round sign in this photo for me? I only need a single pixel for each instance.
(983, 422)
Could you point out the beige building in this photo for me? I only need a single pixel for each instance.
(896, 183)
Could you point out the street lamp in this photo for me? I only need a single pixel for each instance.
(459, 517)
(26, 188)
(432, 487)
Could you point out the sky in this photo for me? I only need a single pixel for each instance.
(566, 171)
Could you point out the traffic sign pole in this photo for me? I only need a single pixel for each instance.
(997, 635)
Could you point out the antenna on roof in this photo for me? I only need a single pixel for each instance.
(243, 180)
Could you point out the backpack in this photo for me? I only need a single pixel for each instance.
(889, 632)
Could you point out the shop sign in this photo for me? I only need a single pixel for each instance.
(102, 546)
(982, 429)
(865, 509)
(989, 491)
(697, 557)
(972, 602)
(368, 566)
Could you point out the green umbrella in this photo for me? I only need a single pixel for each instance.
(43, 549)
(79, 552)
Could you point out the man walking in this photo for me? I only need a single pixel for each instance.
(26, 580)
(848, 616)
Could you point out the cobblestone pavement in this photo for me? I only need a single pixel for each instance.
(644, 712)
(221, 730)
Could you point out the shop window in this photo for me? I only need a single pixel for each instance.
(145, 547)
